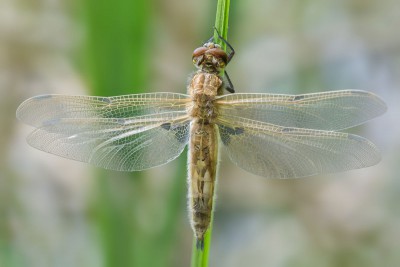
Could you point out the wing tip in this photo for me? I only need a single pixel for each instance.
(378, 101)
(25, 112)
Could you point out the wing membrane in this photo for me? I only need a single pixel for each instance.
(40, 109)
(285, 152)
(109, 133)
(333, 110)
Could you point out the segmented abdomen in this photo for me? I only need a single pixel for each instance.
(203, 150)
(203, 156)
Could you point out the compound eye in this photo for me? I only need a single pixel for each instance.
(199, 51)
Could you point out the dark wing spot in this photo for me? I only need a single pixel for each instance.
(105, 100)
(227, 130)
(289, 130)
(298, 97)
(181, 135)
(179, 131)
(166, 126)
(225, 133)
(239, 130)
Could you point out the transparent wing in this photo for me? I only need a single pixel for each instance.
(39, 109)
(333, 110)
(285, 152)
(109, 133)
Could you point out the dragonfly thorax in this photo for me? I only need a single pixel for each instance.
(210, 58)
(203, 89)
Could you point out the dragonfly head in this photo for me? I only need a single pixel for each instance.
(210, 57)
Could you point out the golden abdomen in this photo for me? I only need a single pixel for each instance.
(203, 156)
(203, 150)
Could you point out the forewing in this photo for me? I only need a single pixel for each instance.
(109, 134)
(285, 152)
(333, 110)
(40, 109)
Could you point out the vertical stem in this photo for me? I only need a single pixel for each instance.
(200, 256)
(221, 21)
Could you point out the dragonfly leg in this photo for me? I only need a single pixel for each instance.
(229, 86)
(210, 40)
(232, 52)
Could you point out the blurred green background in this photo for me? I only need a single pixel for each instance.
(56, 212)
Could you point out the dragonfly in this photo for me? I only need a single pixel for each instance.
(271, 135)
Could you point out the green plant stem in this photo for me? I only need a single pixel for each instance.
(221, 22)
(200, 256)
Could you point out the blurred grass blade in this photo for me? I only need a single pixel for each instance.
(118, 52)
